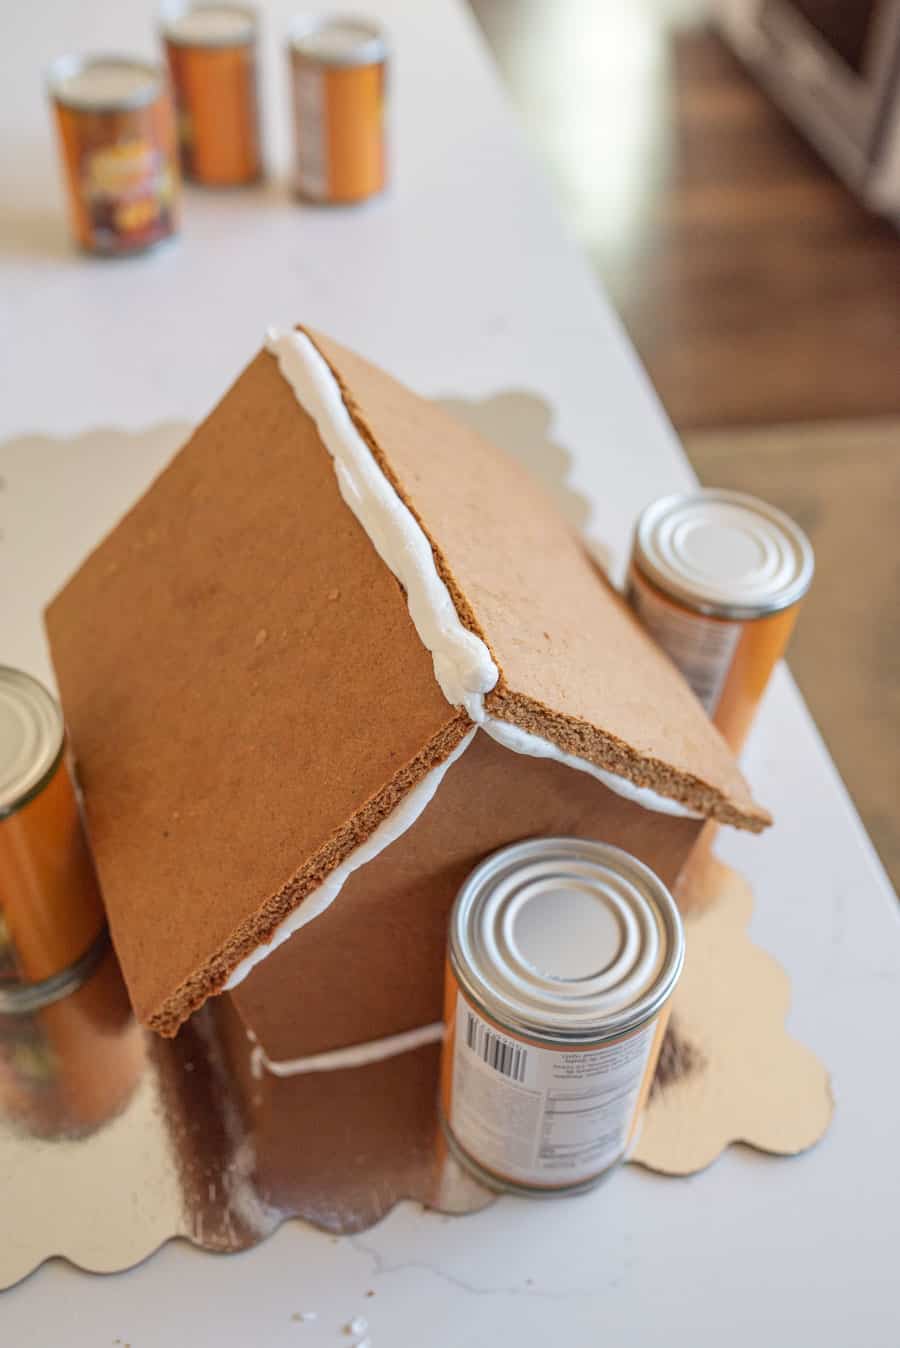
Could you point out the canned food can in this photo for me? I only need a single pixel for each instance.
(52, 926)
(211, 50)
(717, 578)
(562, 958)
(338, 72)
(117, 137)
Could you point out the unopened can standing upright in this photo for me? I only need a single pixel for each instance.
(563, 956)
(116, 130)
(339, 78)
(52, 924)
(717, 578)
(69, 1049)
(211, 50)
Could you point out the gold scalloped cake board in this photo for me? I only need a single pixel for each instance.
(729, 1071)
(113, 1141)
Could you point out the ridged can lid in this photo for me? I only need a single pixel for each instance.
(104, 83)
(338, 41)
(31, 738)
(566, 940)
(724, 553)
(207, 24)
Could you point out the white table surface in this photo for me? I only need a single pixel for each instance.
(462, 282)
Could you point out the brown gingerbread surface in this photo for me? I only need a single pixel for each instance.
(575, 665)
(245, 694)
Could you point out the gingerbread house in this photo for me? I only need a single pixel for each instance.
(339, 651)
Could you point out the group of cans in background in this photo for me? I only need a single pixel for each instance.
(128, 128)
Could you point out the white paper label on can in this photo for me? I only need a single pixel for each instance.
(312, 132)
(702, 648)
(543, 1116)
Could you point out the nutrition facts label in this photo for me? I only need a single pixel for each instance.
(541, 1115)
(309, 100)
(702, 648)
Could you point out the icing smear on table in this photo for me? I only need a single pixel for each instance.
(463, 666)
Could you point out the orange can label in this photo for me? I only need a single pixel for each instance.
(121, 175)
(340, 130)
(726, 662)
(50, 906)
(218, 117)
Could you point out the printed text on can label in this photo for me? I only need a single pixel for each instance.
(702, 648)
(540, 1115)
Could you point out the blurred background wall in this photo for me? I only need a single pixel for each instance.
(764, 299)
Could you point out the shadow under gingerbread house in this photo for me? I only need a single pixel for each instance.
(341, 650)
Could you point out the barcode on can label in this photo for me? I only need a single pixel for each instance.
(504, 1055)
(702, 648)
(549, 1117)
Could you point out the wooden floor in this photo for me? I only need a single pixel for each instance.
(846, 651)
(765, 303)
(754, 286)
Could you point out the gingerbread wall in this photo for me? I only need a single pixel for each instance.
(372, 964)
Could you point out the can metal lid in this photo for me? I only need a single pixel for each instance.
(338, 41)
(103, 83)
(208, 25)
(724, 553)
(31, 738)
(565, 939)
